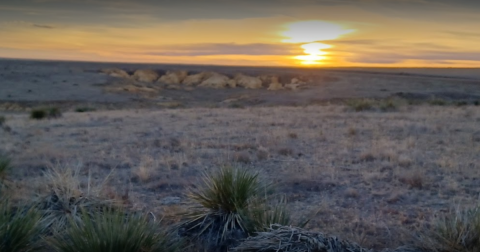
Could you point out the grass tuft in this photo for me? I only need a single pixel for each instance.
(2, 120)
(459, 230)
(114, 230)
(20, 230)
(4, 166)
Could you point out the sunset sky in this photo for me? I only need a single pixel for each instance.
(377, 33)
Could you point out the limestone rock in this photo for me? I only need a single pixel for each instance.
(196, 79)
(275, 84)
(173, 77)
(215, 81)
(232, 83)
(145, 75)
(249, 82)
(115, 72)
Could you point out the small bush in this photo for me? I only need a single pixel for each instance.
(20, 230)
(38, 114)
(113, 230)
(360, 105)
(4, 166)
(84, 109)
(54, 112)
(476, 103)
(437, 102)
(2, 120)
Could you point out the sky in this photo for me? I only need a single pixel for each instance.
(306, 33)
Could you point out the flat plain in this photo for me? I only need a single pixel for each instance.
(368, 174)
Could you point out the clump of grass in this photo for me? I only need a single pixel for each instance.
(459, 230)
(20, 228)
(4, 166)
(84, 109)
(232, 205)
(2, 120)
(43, 113)
(437, 102)
(360, 104)
(114, 230)
(66, 199)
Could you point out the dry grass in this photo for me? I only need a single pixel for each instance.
(394, 171)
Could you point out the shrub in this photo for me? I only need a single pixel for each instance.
(233, 205)
(19, 228)
(113, 230)
(437, 102)
(84, 109)
(54, 112)
(43, 113)
(4, 166)
(38, 114)
(360, 104)
(456, 231)
(2, 120)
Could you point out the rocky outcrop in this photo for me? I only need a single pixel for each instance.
(248, 82)
(115, 72)
(294, 84)
(196, 79)
(216, 80)
(173, 77)
(274, 84)
(145, 75)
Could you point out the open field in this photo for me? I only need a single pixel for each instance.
(369, 176)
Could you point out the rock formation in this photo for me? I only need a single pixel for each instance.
(196, 79)
(274, 84)
(173, 77)
(145, 75)
(115, 72)
(248, 82)
(216, 80)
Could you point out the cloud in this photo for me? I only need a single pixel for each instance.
(431, 56)
(226, 49)
(43, 26)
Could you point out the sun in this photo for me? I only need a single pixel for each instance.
(309, 33)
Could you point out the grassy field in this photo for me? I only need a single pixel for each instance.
(371, 176)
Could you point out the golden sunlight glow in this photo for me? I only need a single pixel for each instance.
(314, 53)
(309, 32)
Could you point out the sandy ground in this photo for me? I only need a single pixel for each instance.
(366, 176)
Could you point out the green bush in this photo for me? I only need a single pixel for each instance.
(114, 230)
(84, 109)
(38, 114)
(233, 205)
(20, 229)
(43, 113)
(456, 231)
(4, 165)
(2, 120)
(437, 102)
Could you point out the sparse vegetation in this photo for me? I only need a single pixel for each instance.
(4, 166)
(43, 113)
(20, 228)
(114, 230)
(84, 109)
(232, 207)
(2, 120)
(458, 230)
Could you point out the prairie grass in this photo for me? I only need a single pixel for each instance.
(114, 230)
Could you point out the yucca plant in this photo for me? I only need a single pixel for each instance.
(232, 205)
(457, 231)
(20, 228)
(113, 230)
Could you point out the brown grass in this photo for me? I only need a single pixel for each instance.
(392, 173)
